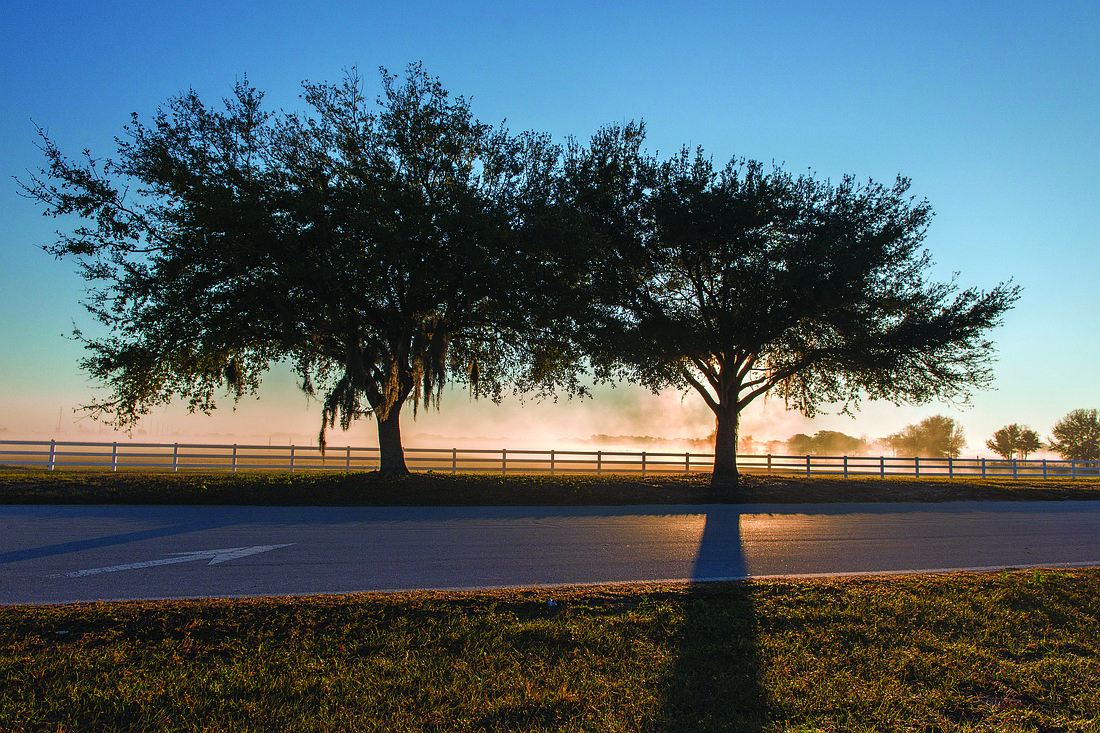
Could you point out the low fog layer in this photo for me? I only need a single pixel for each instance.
(621, 418)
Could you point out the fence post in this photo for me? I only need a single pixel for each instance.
(1073, 469)
(1044, 468)
(454, 461)
(347, 460)
(176, 458)
(687, 463)
(114, 457)
(599, 462)
(234, 458)
(882, 466)
(983, 468)
(53, 450)
(643, 463)
(292, 458)
(845, 466)
(950, 467)
(1014, 474)
(807, 465)
(916, 466)
(769, 464)
(503, 461)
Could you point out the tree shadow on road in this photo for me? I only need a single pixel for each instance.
(714, 685)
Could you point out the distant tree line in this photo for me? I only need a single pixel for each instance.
(1075, 437)
(825, 443)
(934, 437)
(387, 246)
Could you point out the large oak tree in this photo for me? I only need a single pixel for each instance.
(381, 246)
(743, 282)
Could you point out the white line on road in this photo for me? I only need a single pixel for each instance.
(215, 557)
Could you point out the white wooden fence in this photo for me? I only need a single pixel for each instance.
(213, 457)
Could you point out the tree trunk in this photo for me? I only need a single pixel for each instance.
(391, 460)
(725, 448)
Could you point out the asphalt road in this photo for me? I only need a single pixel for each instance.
(86, 553)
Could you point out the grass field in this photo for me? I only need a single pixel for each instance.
(1010, 651)
(39, 486)
(1014, 651)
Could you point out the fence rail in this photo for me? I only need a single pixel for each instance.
(217, 457)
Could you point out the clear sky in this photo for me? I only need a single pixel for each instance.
(991, 108)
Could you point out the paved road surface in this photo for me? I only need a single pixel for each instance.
(81, 553)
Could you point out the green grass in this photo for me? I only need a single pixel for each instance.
(1014, 651)
(39, 486)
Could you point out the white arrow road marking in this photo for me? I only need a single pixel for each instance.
(215, 557)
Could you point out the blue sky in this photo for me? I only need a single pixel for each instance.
(990, 108)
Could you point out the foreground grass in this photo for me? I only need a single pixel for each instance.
(39, 486)
(1013, 651)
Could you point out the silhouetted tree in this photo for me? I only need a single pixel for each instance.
(933, 437)
(1077, 436)
(1014, 440)
(800, 444)
(742, 282)
(382, 247)
(825, 443)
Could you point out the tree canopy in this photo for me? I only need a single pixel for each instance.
(1014, 441)
(825, 443)
(937, 436)
(743, 282)
(1076, 437)
(380, 246)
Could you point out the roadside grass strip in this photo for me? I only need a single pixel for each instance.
(72, 486)
(1005, 651)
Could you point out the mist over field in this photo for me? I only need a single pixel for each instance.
(620, 418)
